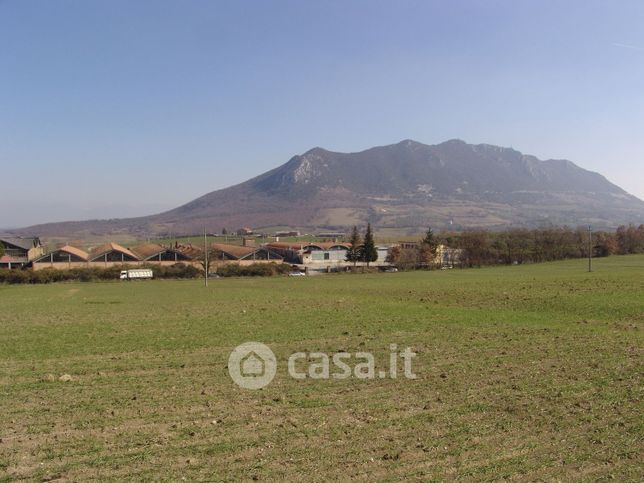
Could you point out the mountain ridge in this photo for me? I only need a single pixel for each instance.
(401, 186)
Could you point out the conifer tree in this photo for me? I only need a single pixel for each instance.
(354, 251)
(369, 251)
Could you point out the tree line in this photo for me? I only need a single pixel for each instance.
(478, 247)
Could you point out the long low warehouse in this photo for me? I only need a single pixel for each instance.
(111, 254)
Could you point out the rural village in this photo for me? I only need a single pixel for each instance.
(327, 255)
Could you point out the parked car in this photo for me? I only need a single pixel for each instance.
(297, 274)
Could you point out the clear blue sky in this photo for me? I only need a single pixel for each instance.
(115, 108)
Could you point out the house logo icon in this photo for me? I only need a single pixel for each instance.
(252, 365)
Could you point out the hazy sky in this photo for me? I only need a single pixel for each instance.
(112, 108)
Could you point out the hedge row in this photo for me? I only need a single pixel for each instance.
(254, 270)
(49, 275)
(179, 270)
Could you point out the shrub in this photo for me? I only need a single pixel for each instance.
(18, 276)
(178, 270)
(51, 275)
(253, 270)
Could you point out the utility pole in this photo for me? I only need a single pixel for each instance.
(205, 252)
(590, 249)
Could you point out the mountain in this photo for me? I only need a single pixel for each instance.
(403, 186)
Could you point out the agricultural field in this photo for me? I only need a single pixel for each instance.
(523, 373)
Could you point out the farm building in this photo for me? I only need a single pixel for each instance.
(153, 252)
(303, 253)
(223, 252)
(8, 261)
(63, 257)
(409, 245)
(383, 253)
(321, 255)
(325, 252)
(111, 254)
(287, 233)
(18, 251)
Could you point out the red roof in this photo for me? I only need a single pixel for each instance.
(77, 252)
(329, 245)
(8, 259)
(189, 251)
(111, 247)
(74, 251)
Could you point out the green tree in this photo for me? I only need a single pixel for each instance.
(430, 239)
(1, 249)
(354, 253)
(369, 251)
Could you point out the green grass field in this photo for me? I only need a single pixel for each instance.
(524, 373)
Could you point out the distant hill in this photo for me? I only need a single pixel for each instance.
(401, 186)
